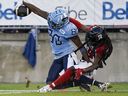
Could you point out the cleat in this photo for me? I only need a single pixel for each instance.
(105, 86)
(45, 89)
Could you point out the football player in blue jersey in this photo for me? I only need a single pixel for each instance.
(62, 33)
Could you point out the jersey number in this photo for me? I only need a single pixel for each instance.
(55, 38)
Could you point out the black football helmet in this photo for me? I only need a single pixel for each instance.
(95, 35)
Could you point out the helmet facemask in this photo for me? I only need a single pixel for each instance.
(95, 35)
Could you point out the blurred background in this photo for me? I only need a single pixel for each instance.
(14, 33)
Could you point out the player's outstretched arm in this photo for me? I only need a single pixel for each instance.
(36, 10)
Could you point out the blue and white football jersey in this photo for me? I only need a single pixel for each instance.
(60, 42)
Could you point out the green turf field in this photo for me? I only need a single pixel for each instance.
(118, 89)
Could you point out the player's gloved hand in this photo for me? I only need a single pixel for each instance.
(78, 73)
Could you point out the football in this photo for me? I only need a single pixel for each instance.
(22, 11)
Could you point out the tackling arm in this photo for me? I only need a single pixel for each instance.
(36, 10)
(76, 40)
(80, 71)
(94, 65)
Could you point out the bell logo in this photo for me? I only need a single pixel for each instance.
(8, 13)
(110, 13)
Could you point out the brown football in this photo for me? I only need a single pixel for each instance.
(22, 11)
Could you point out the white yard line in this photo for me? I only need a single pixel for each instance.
(65, 90)
(16, 91)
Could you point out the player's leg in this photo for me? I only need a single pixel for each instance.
(85, 87)
(68, 84)
(54, 71)
(84, 80)
(83, 64)
(64, 78)
(68, 61)
(59, 81)
(67, 75)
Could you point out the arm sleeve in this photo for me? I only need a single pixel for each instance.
(75, 22)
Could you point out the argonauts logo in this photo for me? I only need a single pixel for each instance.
(7, 13)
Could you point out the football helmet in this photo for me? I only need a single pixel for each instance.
(95, 35)
(58, 18)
